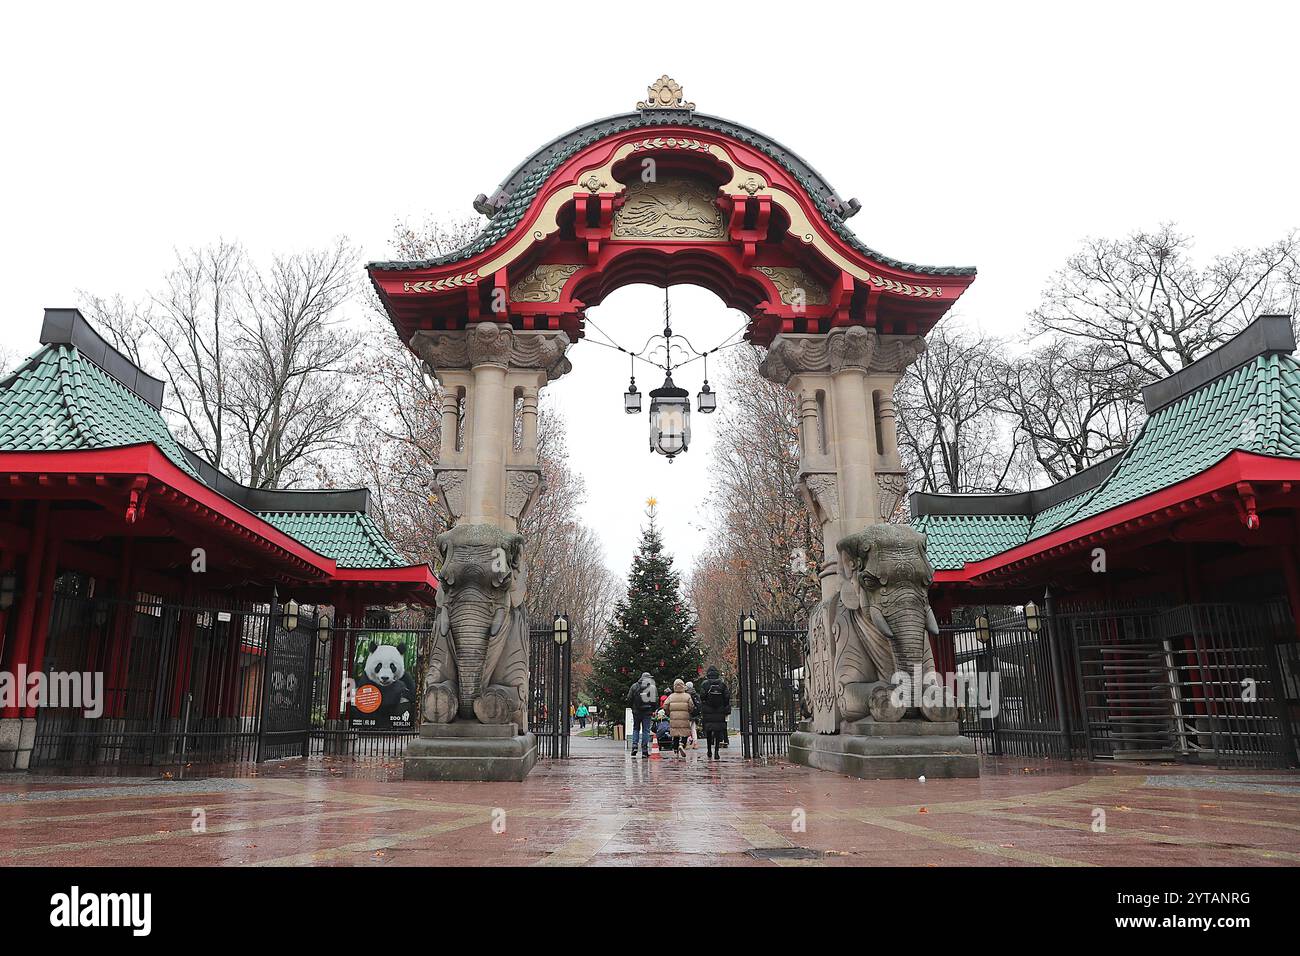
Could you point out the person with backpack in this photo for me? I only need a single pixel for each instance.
(642, 697)
(715, 707)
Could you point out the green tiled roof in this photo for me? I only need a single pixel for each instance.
(521, 187)
(954, 540)
(59, 401)
(1253, 408)
(352, 539)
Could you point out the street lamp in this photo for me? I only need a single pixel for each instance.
(323, 625)
(982, 629)
(1033, 620)
(670, 419)
(749, 630)
(560, 629)
(290, 620)
(8, 589)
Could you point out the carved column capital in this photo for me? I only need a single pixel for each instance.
(490, 343)
(854, 347)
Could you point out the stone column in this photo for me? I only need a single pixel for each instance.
(475, 694)
(848, 483)
(488, 481)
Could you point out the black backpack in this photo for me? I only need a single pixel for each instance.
(716, 694)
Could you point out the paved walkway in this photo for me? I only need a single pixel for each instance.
(604, 808)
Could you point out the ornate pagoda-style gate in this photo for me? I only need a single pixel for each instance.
(662, 195)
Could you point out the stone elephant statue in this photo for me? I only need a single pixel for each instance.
(479, 665)
(869, 653)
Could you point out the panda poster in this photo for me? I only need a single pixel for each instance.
(385, 682)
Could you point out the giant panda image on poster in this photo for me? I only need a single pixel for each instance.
(385, 694)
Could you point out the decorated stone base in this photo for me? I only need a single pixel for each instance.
(875, 750)
(467, 750)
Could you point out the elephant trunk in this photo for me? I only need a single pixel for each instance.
(471, 616)
(907, 616)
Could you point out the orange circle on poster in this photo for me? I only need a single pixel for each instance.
(368, 699)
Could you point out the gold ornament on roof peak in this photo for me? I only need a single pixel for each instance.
(665, 93)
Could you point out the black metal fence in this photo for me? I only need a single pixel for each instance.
(550, 665)
(220, 681)
(770, 677)
(1200, 682)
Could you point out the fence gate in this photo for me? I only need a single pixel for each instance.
(1195, 681)
(1200, 682)
(1011, 683)
(770, 676)
(549, 676)
(285, 727)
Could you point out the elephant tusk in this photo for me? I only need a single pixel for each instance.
(931, 624)
(444, 622)
(498, 621)
(881, 624)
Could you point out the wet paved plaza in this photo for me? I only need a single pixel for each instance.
(603, 808)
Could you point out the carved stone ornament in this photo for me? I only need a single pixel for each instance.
(822, 492)
(592, 183)
(892, 487)
(449, 485)
(664, 93)
(522, 486)
(490, 342)
(670, 208)
(542, 283)
(852, 347)
(790, 281)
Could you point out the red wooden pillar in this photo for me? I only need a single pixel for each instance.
(1289, 557)
(233, 701)
(335, 710)
(19, 648)
(184, 649)
(8, 561)
(44, 610)
(118, 659)
(943, 644)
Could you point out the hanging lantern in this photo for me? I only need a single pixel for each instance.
(707, 400)
(632, 399)
(670, 419)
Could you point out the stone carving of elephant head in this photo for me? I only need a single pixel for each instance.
(883, 625)
(885, 575)
(480, 661)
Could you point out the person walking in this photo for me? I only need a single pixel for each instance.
(679, 707)
(582, 716)
(715, 707)
(695, 713)
(641, 697)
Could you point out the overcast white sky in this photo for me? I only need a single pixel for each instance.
(994, 135)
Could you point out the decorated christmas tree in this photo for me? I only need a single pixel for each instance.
(652, 629)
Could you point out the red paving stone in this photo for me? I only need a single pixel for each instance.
(602, 808)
